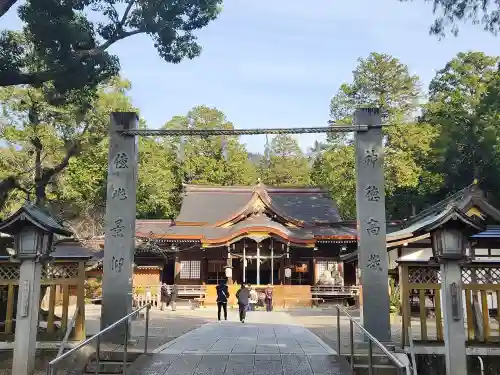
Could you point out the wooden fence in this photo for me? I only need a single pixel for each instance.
(59, 279)
(421, 299)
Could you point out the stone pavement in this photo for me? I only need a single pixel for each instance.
(266, 344)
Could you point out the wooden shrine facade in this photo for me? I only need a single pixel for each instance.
(257, 232)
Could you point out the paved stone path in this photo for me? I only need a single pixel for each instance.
(256, 347)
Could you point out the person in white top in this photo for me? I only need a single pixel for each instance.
(254, 299)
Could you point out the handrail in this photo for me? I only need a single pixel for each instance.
(68, 331)
(51, 368)
(371, 340)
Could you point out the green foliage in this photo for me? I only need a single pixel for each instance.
(204, 161)
(284, 163)
(463, 105)
(395, 297)
(42, 140)
(451, 12)
(93, 289)
(380, 81)
(335, 170)
(159, 180)
(72, 49)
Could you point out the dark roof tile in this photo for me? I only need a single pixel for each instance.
(71, 249)
(212, 206)
(208, 204)
(308, 207)
(155, 226)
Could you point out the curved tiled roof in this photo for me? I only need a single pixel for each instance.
(210, 205)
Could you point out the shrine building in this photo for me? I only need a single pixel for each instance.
(255, 231)
(260, 231)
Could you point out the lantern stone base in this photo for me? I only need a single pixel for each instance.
(454, 333)
(27, 318)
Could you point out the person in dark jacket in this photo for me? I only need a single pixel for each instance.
(222, 296)
(243, 296)
(269, 298)
(164, 296)
(173, 297)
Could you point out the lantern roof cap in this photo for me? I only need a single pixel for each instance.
(452, 213)
(434, 220)
(29, 213)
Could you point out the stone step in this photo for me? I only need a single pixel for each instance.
(376, 370)
(107, 367)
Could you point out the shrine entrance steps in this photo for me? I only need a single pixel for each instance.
(250, 348)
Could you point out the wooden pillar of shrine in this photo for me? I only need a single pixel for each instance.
(177, 270)
(204, 271)
(288, 280)
(229, 264)
(312, 272)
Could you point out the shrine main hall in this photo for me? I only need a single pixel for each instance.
(253, 234)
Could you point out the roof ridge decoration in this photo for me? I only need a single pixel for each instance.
(472, 189)
(248, 188)
(431, 222)
(258, 204)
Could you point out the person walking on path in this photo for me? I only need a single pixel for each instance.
(243, 295)
(173, 297)
(222, 296)
(269, 297)
(164, 296)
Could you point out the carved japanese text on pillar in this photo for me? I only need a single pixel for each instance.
(372, 193)
(117, 264)
(117, 230)
(121, 161)
(374, 262)
(119, 193)
(371, 157)
(373, 227)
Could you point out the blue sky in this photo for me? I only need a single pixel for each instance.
(277, 63)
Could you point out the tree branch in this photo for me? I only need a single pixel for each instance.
(7, 186)
(72, 150)
(18, 78)
(5, 5)
(125, 15)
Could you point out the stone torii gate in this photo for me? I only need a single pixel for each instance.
(119, 244)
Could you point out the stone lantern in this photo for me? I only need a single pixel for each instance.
(450, 231)
(448, 243)
(33, 230)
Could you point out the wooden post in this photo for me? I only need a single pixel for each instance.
(405, 307)
(80, 303)
(229, 264)
(244, 276)
(313, 271)
(52, 306)
(65, 305)
(272, 262)
(177, 270)
(10, 309)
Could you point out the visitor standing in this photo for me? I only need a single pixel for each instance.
(269, 297)
(173, 297)
(164, 296)
(254, 298)
(243, 295)
(222, 296)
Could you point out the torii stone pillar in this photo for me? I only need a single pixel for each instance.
(370, 210)
(119, 240)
